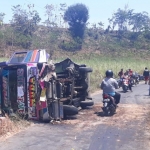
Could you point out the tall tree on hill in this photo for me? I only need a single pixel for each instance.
(51, 17)
(63, 7)
(24, 24)
(1, 18)
(139, 21)
(121, 19)
(77, 16)
(23, 21)
(126, 19)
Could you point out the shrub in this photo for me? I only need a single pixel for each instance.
(70, 46)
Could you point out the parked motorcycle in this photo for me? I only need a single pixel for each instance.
(108, 106)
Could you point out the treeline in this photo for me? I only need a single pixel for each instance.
(70, 26)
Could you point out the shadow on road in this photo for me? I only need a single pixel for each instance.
(70, 117)
(146, 95)
(101, 114)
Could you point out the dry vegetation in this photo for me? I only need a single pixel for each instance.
(12, 125)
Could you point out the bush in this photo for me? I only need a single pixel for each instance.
(20, 40)
(70, 46)
(147, 35)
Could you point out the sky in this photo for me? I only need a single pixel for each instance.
(99, 10)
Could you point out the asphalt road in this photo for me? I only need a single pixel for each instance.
(127, 130)
(134, 135)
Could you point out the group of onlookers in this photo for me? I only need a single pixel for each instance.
(128, 74)
(146, 74)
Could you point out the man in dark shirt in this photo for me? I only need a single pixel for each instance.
(120, 74)
(146, 75)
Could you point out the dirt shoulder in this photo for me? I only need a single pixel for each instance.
(11, 126)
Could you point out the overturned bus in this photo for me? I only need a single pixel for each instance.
(34, 87)
(75, 83)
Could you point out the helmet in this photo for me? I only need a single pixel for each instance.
(109, 73)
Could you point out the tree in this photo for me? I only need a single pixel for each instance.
(50, 16)
(1, 18)
(139, 21)
(77, 16)
(63, 7)
(24, 23)
(101, 25)
(121, 19)
(62, 10)
(54, 18)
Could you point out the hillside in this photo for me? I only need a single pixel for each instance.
(57, 41)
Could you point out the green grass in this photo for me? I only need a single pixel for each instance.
(3, 59)
(101, 63)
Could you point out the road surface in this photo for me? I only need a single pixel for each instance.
(128, 129)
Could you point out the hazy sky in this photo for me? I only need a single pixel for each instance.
(99, 10)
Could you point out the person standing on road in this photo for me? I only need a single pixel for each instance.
(146, 75)
(120, 74)
(109, 84)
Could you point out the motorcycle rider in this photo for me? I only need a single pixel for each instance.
(146, 75)
(120, 74)
(136, 77)
(108, 85)
(131, 77)
(130, 72)
(127, 76)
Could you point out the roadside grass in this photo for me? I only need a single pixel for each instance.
(100, 64)
(3, 59)
(11, 125)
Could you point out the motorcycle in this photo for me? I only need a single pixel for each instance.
(108, 107)
(125, 84)
(137, 79)
(119, 82)
(132, 80)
